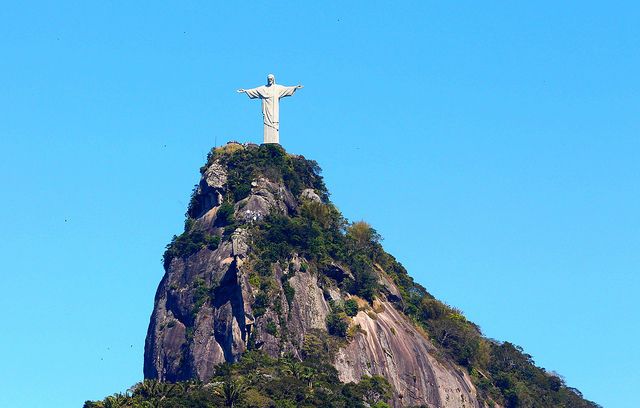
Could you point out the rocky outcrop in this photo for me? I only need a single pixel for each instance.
(309, 308)
(188, 337)
(209, 191)
(387, 286)
(310, 194)
(387, 344)
(265, 197)
(202, 313)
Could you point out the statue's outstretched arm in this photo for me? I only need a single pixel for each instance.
(251, 93)
(289, 90)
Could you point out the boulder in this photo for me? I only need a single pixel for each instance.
(310, 194)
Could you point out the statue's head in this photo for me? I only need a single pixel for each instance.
(271, 79)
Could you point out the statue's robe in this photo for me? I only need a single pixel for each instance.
(270, 95)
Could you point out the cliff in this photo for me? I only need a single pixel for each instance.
(267, 264)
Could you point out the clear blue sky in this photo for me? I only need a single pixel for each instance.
(495, 147)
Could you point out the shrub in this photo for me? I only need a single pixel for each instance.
(194, 209)
(272, 328)
(374, 389)
(224, 216)
(187, 244)
(211, 241)
(254, 280)
(351, 307)
(270, 161)
(260, 304)
(366, 282)
(432, 309)
(200, 295)
(289, 292)
(362, 234)
(337, 324)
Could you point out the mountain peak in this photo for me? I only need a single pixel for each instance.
(268, 274)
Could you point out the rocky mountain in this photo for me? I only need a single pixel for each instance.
(268, 275)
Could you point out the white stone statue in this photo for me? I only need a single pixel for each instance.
(270, 95)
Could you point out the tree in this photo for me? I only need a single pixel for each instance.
(363, 235)
(458, 336)
(308, 375)
(374, 389)
(159, 391)
(231, 391)
(336, 324)
(293, 368)
(351, 307)
(115, 401)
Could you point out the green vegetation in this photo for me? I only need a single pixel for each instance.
(351, 307)
(289, 292)
(260, 304)
(201, 295)
(224, 216)
(188, 243)
(272, 328)
(270, 161)
(337, 323)
(320, 234)
(260, 381)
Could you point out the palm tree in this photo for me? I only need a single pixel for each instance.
(299, 371)
(293, 368)
(231, 391)
(185, 387)
(308, 374)
(158, 391)
(115, 401)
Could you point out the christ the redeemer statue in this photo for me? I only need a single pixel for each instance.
(270, 95)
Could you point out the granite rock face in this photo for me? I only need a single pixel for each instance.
(265, 197)
(388, 345)
(208, 309)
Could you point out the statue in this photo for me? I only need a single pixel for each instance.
(270, 95)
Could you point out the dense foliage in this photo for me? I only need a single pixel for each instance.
(320, 234)
(271, 161)
(337, 322)
(259, 381)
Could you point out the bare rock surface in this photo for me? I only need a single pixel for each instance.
(308, 309)
(310, 194)
(392, 347)
(266, 196)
